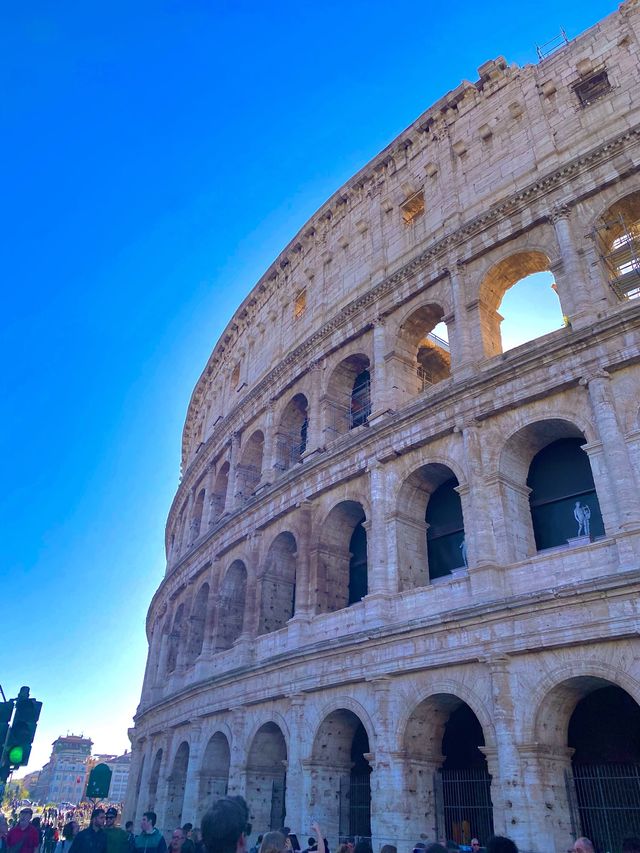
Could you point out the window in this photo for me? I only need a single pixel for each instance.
(300, 303)
(413, 207)
(593, 87)
(445, 532)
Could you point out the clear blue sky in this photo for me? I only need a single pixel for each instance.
(156, 158)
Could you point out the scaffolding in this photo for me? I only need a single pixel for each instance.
(289, 447)
(428, 376)
(621, 255)
(350, 410)
(549, 47)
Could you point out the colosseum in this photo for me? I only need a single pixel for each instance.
(403, 560)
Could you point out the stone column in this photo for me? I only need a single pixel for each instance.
(509, 795)
(137, 756)
(209, 512)
(251, 601)
(186, 522)
(315, 439)
(380, 399)
(295, 806)
(192, 784)
(141, 804)
(462, 361)
(266, 475)
(623, 486)
(378, 580)
(572, 278)
(230, 499)
(303, 603)
(479, 529)
(238, 753)
(545, 772)
(162, 794)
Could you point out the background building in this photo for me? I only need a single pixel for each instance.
(383, 604)
(63, 778)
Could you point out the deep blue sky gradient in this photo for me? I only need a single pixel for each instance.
(156, 158)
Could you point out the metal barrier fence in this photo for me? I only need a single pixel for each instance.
(463, 804)
(604, 801)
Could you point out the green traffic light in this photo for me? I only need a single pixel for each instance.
(15, 755)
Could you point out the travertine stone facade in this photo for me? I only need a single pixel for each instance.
(303, 633)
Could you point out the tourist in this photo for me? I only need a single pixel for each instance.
(117, 838)
(583, 845)
(24, 836)
(93, 838)
(150, 838)
(501, 844)
(68, 834)
(226, 825)
(178, 839)
(388, 848)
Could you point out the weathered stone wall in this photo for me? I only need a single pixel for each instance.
(257, 669)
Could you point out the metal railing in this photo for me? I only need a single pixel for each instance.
(463, 804)
(605, 803)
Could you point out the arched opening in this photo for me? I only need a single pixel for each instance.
(448, 773)
(176, 786)
(593, 726)
(515, 462)
(348, 396)
(528, 280)
(214, 775)
(342, 558)
(154, 778)
(341, 775)
(249, 469)
(291, 436)
(220, 490)
(196, 522)
(430, 526)
(232, 603)
(266, 777)
(618, 241)
(278, 584)
(421, 356)
(175, 639)
(197, 624)
(563, 498)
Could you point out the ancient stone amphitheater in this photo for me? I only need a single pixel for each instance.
(403, 562)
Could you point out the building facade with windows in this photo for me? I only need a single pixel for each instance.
(403, 561)
(63, 778)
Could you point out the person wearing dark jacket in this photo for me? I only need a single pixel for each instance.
(150, 839)
(92, 839)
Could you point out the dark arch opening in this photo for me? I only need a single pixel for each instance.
(604, 731)
(360, 785)
(445, 530)
(561, 481)
(358, 583)
(360, 399)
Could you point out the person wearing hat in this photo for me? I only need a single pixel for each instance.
(93, 838)
(117, 838)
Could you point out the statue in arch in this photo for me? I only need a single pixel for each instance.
(463, 551)
(582, 514)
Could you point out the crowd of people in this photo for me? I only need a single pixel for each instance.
(225, 829)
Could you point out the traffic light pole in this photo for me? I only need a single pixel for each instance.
(17, 738)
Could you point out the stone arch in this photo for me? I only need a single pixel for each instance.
(340, 758)
(516, 456)
(197, 624)
(278, 584)
(249, 469)
(443, 736)
(342, 557)
(419, 560)
(618, 242)
(575, 693)
(421, 356)
(501, 277)
(154, 778)
(175, 638)
(214, 771)
(176, 785)
(266, 776)
(348, 395)
(291, 434)
(233, 591)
